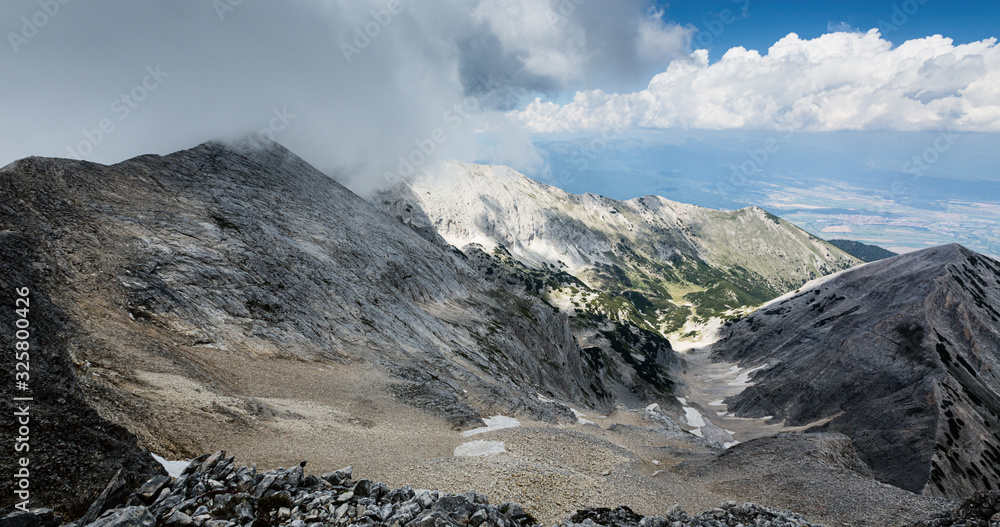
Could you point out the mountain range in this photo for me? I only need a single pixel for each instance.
(231, 296)
(650, 261)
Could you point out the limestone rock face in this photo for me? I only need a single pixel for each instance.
(902, 355)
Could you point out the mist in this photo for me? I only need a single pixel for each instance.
(363, 90)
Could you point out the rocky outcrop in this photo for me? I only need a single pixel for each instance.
(901, 355)
(730, 514)
(214, 492)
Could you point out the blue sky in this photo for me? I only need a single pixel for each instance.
(767, 21)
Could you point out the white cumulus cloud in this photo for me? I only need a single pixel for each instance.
(839, 81)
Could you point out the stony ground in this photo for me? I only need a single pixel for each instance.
(215, 491)
(276, 413)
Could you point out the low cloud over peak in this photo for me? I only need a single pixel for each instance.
(839, 81)
(353, 86)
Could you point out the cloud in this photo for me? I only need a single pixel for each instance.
(354, 86)
(839, 81)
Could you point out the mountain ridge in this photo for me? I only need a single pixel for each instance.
(900, 353)
(864, 251)
(681, 262)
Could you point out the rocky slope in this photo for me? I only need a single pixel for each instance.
(72, 450)
(648, 261)
(178, 288)
(212, 491)
(901, 355)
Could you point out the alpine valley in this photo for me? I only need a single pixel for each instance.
(530, 355)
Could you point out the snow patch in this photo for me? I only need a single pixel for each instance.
(497, 422)
(717, 403)
(693, 417)
(479, 448)
(174, 468)
(683, 400)
(581, 417)
(743, 379)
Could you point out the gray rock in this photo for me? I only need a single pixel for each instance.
(264, 485)
(31, 518)
(654, 414)
(178, 519)
(362, 488)
(152, 487)
(115, 493)
(210, 462)
(339, 477)
(405, 513)
(432, 519)
(195, 464)
(345, 497)
(126, 517)
(295, 477)
(481, 516)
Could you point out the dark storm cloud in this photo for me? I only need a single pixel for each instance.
(349, 85)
